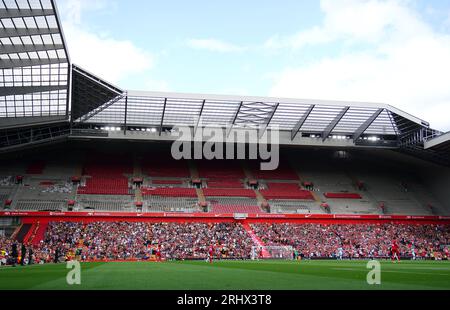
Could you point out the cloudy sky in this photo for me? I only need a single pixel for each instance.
(395, 52)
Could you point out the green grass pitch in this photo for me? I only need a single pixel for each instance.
(231, 275)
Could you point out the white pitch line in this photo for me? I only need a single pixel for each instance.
(394, 271)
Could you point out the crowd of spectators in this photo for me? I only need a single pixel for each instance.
(121, 241)
(357, 241)
(7, 181)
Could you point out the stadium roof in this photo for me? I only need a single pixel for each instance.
(34, 63)
(36, 78)
(440, 143)
(325, 118)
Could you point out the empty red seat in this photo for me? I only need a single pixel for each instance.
(283, 186)
(170, 192)
(235, 209)
(105, 186)
(287, 194)
(225, 184)
(167, 182)
(229, 192)
(343, 195)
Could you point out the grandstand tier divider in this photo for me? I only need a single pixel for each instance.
(24, 229)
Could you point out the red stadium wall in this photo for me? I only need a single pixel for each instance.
(87, 217)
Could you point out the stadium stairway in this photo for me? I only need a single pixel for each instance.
(195, 175)
(24, 229)
(258, 242)
(137, 168)
(248, 173)
(30, 233)
(16, 232)
(200, 195)
(193, 170)
(40, 233)
(138, 195)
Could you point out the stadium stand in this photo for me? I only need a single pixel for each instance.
(232, 240)
(357, 241)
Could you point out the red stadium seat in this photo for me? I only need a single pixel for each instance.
(286, 191)
(236, 209)
(343, 195)
(229, 192)
(225, 184)
(170, 192)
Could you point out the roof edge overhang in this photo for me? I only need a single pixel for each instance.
(338, 103)
(440, 140)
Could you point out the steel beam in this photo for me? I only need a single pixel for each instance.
(334, 123)
(17, 13)
(17, 63)
(360, 131)
(23, 90)
(10, 49)
(235, 118)
(301, 122)
(162, 117)
(199, 117)
(268, 120)
(20, 32)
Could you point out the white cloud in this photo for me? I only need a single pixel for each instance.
(408, 66)
(157, 85)
(112, 59)
(214, 45)
(368, 21)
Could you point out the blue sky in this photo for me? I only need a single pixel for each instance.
(396, 52)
